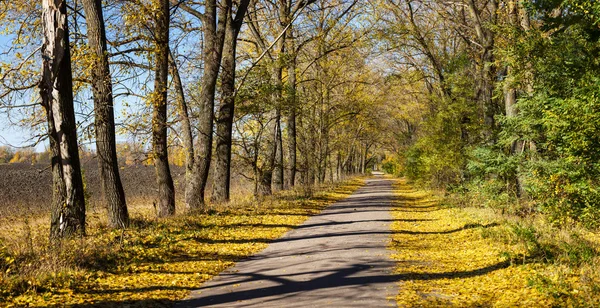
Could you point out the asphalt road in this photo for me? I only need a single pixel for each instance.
(335, 259)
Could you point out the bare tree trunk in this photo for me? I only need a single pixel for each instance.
(214, 36)
(114, 196)
(268, 169)
(303, 147)
(188, 137)
(222, 174)
(266, 172)
(510, 96)
(365, 159)
(485, 80)
(338, 168)
(56, 90)
(278, 179)
(166, 189)
(291, 120)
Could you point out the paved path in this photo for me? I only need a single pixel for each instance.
(335, 259)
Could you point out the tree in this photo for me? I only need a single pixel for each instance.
(118, 217)
(214, 20)
(166, 189)
(6, 154)
(225, 116)
(56, 90)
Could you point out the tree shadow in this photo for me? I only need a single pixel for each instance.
(343, 277)
(465, 227)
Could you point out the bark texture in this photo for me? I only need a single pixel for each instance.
(56, 90)
(291, 120)
(225, 115)
(112, 189)
(184, 117)
(214, 35)
(166, 189)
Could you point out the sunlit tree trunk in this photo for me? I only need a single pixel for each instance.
(278, 179)
(56, 90)
(214, 36)
(112, 188)
(291, 120)
(273, 141)
(225, 116)
(487, 67)
(186, 125)
(166, 189)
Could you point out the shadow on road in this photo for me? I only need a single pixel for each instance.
(349, 275)
(339, 278)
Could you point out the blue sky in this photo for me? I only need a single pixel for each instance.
(11, 134)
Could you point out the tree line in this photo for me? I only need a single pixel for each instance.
(283, 87)
(500, 102)
(492, 100)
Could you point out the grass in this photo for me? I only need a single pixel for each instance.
(154, 262)
(475, 257)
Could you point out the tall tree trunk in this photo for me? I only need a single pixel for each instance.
(338, 169)
(510, 95)
(186, 125)
(166, 190)
(56, 90)
(366, 158)
(268, 169)
(278, 179)
(487, 69)
(266, 172)
(225, 116)
(291, 120)
(214, 36)
(112, 188)
(303, 147)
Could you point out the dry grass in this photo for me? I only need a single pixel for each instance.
(154, 262)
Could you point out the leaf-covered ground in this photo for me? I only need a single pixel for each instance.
(156, 261)
(467, 257)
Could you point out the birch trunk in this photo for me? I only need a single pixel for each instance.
(56, 90)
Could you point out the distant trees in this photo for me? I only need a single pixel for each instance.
(26, 155)
(6, 154)
(494, 100)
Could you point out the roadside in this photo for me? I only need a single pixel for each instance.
(453, 257)
(156, 261)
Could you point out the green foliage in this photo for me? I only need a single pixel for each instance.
(392, 166)
(549, 153)
(562, 119)
(437, 158)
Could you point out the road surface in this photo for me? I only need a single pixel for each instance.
(335, 259)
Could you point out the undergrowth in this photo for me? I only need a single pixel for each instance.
(567, 251)
(155, 261)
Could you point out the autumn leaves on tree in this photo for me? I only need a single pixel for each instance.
(260, 84)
